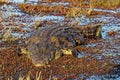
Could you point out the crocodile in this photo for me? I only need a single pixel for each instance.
(49, 43)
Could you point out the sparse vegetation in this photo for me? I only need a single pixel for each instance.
(109, 4)
(92, 6)
(38, 77)
(97, 58)
(7, 36)
(73, 11)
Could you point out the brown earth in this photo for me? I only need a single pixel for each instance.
(66, 67)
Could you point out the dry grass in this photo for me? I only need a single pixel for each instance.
(73, 12)
(37, 9)
(73, 9)
(28, 77)
(109, 4)
(63, 66)
(38, 77)
(92, 5)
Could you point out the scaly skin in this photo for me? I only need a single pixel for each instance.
(48, 43)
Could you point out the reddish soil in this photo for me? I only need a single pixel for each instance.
(66, 67)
